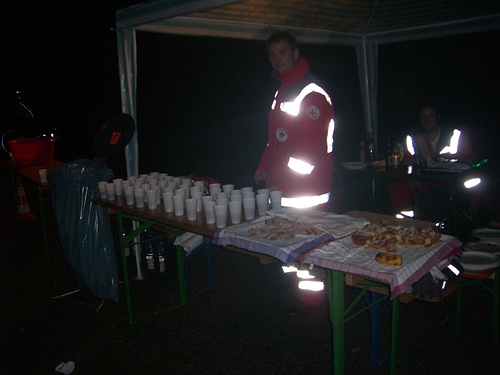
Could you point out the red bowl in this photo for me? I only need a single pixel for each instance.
(32, 151)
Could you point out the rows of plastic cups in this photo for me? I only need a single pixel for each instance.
(182, 196)
(132, 186)
(225, 202)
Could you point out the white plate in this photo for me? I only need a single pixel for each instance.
(355, 165)
(478, 261)
(487, 234)
(490, 247)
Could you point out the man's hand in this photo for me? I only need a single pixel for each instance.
(260, 176)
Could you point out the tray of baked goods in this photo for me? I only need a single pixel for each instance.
(390, 239)
(379, 247)
(282, 238)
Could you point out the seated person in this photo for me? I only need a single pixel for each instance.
(430, 141)
(428, 199)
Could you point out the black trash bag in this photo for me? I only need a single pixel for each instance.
(84, 228)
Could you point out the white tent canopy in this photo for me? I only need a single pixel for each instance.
(361, 24)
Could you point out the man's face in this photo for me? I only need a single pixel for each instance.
(281, 56)
(429, 118)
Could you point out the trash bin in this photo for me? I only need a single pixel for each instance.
(84, 228)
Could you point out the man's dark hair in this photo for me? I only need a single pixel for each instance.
(278, 36)
(429, 105)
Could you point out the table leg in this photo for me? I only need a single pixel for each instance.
(121, 244)
(335, 280)
(394, 335)
(375, 316)
(181, 271)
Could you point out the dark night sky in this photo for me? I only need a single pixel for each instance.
(214, 93)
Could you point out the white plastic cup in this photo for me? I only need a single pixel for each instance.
(172, 185)
(178, 205)
(110, 191)
(262, 203)
(223, 201)
(190, 208)
(168, 189)
(43, 175)
(220, 215)
(235, 210)
(186, 188)
(263, 192)
(145, 187)
(249, 208)
(197, 195)
(222, 194)
(235, 192)
(125, 183)
(194, 189)
(102, 189)
(200, 185)
(236, 198)
(207, 198)
(276, 199)
(246, 189)
(157, 189)
(118, 186)
(177, 180)
(139, 197)
(248, 194)
(227, 188)
(208, 209)
(213, 185)
(129, 195)
(151, 194)
(168, 203)
(214, 191)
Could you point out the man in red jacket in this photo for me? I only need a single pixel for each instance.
(298, 157)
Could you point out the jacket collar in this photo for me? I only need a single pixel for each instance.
(293, 74)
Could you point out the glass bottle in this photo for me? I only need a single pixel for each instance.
(362, 149)
(371, 148)
(395, 155)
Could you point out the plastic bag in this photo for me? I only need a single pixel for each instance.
(84, 228)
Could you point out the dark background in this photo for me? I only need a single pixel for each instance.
(203, 102)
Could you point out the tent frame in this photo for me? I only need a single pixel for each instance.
(172, 16)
